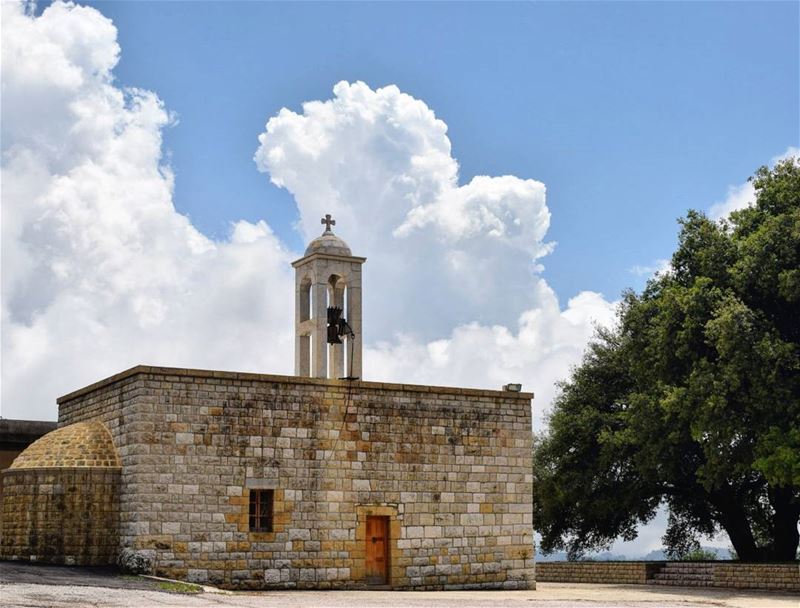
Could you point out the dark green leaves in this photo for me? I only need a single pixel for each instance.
(694, 398)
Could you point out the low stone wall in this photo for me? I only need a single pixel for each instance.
(623, 573)
(783, 577)
(61, 515)
(778, 577)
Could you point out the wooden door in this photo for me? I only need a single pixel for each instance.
(377, 550)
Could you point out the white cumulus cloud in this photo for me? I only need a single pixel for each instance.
(380, 162)
(744, 195)
(100, 272)
(452, 294)
(538, 350)
(660, 266)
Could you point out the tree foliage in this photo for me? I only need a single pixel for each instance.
(693, 399)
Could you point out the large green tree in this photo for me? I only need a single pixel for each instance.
(693, 399)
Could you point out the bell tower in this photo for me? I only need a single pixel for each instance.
(328, 308)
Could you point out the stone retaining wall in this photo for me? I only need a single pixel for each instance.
(785, 577)
(779, 577)
(624, 573)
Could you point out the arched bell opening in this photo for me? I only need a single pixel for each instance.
(305, 305)
(336, 291)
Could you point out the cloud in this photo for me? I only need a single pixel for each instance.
(452, 294)
(659, 266)
(538, 351)
(100, 272)
(744, 195)
(738, 197)
(439, 253)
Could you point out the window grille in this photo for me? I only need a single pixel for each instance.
(261, 510)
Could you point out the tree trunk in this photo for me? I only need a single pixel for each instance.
(785, 536)
(733, 519)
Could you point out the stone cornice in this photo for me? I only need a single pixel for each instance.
(203, 373)
(328, 256)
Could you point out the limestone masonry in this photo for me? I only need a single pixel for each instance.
(258, 481)
(449, 468)
(731, 574)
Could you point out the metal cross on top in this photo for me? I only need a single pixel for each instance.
(328, 221)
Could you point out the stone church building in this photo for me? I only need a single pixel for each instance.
(252, 481)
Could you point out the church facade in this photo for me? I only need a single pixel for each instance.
(318, 480)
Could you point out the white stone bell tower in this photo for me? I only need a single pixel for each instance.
(327, 275)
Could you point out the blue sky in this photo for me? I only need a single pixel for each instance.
(630, 113)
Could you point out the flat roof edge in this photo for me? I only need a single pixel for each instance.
(252, 376)
(21, 433)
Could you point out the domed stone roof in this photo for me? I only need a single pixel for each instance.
(328, 243)
(84, 444)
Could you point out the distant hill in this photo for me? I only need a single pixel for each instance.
(561, 556)
(659, 554)
(606, 556)
(655, 556)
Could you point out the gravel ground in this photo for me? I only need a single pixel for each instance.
(52, 596)
(19, 595)
(56, 587)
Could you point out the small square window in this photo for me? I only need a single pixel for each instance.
(261, 510)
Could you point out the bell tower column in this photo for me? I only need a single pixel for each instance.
(319, 367)
(354, 312)
(302, 334)
(337, 351)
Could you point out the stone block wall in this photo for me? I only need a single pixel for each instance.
(15, 436)
(108, 401)
(451, 468)
(783, 577)
(737, 575)
(729, 574)
(61, 515)
(623, 573)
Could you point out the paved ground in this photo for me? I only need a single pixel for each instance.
(21, 572)
(71, 587)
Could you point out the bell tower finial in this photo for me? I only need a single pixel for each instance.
(328, 308)
(328, 221)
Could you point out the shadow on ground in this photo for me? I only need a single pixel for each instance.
(46, 574)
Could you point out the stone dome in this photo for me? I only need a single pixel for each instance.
(328, 243)
(84, 444)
